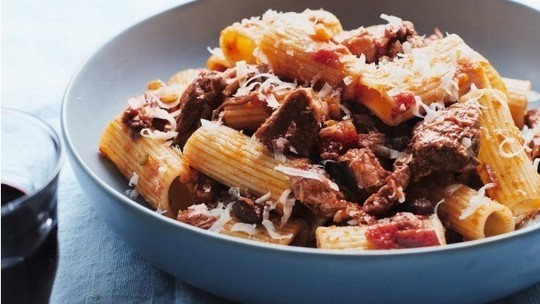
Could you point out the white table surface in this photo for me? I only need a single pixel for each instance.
(43, 43)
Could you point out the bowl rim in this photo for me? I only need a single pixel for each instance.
(174, 224)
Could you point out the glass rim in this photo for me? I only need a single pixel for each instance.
(53, 135)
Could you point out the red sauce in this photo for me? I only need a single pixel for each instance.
(404, 101)
(327, 56)
(393, 235)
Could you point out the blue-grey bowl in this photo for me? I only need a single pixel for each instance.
(478, 271)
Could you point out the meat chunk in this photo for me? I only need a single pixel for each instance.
(392, 192)
(135, 120)
(447, 144)
(323, 201)
(247, 211)
(198, 102)
(532, 120)
(205, 189)
(336, 138)
(201, 220)
(368, 172)
(404, 230)
(297, 120)
(378, 41)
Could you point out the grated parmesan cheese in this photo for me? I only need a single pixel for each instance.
(437, 225)
(269, 225)
(133, 180)
(263, 198)
(392, 20)
(476, 201)
(137, 102)
(512, 154)
(287, 203)
(160, 211)
(158, 135)
(132, 193)
(307, 174)
(466, 142)
(348, 80)
(325, 90)
(250, 229)
(223, 216)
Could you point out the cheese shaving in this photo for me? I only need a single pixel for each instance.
(287, 204)
(223, 215)
(449, 190)
(263, 198)
(160, 211)
(348, 80)
(392, 20)
(325, 90)
(250, 229)
(132, 193)
(271, 101)
(307, 174)
(136, 102)
(158, 135)
(476, 201)
(466, 142)
(437, 225)
(512, 154)
(269, 225)
(216, 52)
(133, 180)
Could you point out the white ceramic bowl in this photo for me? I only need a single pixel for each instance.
(505, 32)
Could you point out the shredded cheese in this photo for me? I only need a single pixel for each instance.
(512, 154)
(392, 20)
(437, 225)
(250, 229)
(223, 216)
(476, 201)
(287, 203)
(307, 174)
(132, 193)
(133, 180)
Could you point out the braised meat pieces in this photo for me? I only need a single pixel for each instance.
(297, 121)
(447, 144)
(200, 98)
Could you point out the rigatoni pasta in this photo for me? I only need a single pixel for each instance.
(301, 133)
(503, 161)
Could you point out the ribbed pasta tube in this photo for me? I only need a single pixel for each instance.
(235, 160)
(517, 98)
(240, 40)
(157, 165)
(343, 237)
(288, 233)
(485, 218)
(504, 161)
(441, 71)
(246, 116)
(293, 54)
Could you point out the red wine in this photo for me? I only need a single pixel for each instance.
(10, 193)
(29, 247)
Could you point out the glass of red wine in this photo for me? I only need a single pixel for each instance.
(31, 160)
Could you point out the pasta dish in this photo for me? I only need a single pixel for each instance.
(301, 133)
